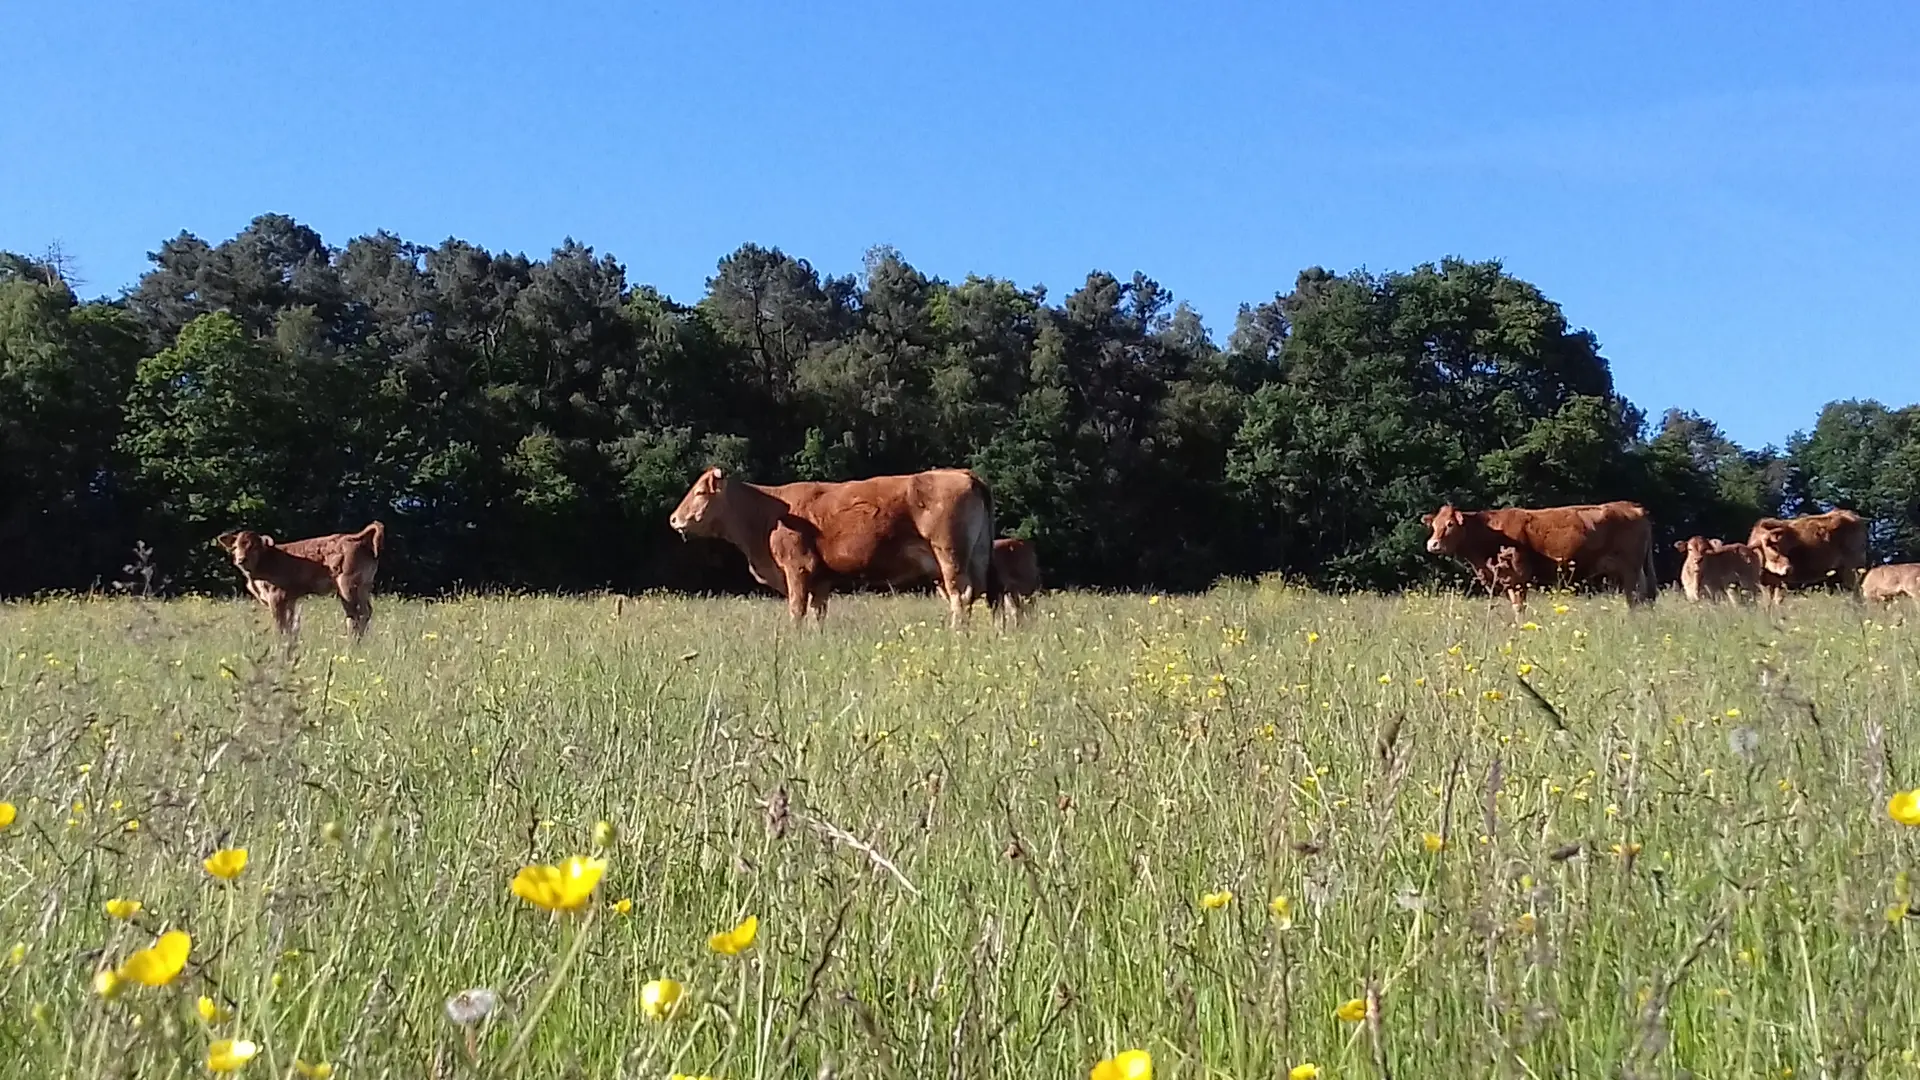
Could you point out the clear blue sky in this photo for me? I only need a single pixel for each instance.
(1728, 195)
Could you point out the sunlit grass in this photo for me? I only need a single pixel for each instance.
(1244, 832)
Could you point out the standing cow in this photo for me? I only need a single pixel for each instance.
(802, 539)
(278, 575)
(1815, 549)
(1886, 583)
(1715, 570)
(1605, 541)
(1017, 566)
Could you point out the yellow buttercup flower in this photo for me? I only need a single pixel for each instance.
(604, 834)
(160, 964)
(1905, 807)
(1352, 1012)
(230, 1055)
(107, 984)
(1306, 1070)
(1525, 923)
(227, 863)
(661, 998)
(121, 908)
(8, 812)
(18, 954)
(319, 1070)
(1432, 841)
(1214, 901)
(622, 906)
(210, 1010)
(1125, 1065)
(566, 887)
(737, 940)
(1282, 911)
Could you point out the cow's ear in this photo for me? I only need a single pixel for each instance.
(1680, 545)
(226, 539)
(1426, 519)
(266, 539)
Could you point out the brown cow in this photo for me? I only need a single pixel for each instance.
(1714, 569)
(1612, 541)
(1018, 567)
(800, 539)
(1891, 581)
(278, 575)
(1811, 550)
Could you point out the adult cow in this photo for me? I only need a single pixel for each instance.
(803, 539)
(1611, 541)
(1813, 549)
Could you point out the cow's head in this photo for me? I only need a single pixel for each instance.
(1446, 524)
(700, 512)
(245, 546)
(1775, 544)
(1695, 548)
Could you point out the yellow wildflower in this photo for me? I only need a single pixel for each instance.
(1214, 901)
(1494, 695)
(1282, 910)
(1733, 714)
(121, 908)
(18, 954)
(107, 984)
(1386, 680)
(604, 834)
(319, 1070)
(227, 863)
(1313, 636)
(7, 813)
(1529, 626)
(1905, 807)
(160, 964)
(1561, 609)
(1525, 923)
(622, 906)
(1125, 1065)
(230, 1055)
(210, 1010)
(1354, 1011)
(661, 998)
(1306, 1070)
(1525, 669)
(566, 887)
(1432, 841)
(737, 940)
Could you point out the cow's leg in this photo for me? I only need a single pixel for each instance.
(955, 585)
(797, 595)
(817, 593)
(286, 613)
(356, 599)
(1517, 596)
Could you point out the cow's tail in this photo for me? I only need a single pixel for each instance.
(981, 568)
(1649, 578)
(376, 533)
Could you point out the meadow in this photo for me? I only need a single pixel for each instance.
(1256, 833)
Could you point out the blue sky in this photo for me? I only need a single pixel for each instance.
(1723, 193)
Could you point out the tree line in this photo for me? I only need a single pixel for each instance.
(523, 423)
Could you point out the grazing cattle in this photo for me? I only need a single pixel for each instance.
(1889, 582)
(1018, 567)
(1714, 569)
(1816, 549)
(801, 539)
(1611, 541)
(278, 575)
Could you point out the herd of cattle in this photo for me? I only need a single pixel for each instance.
(804, 539)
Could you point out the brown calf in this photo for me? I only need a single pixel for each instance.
(1889, 582)
(278, 575)
(1714, 569)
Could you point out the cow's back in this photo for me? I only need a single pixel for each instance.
(1581, 535)
(883, 526)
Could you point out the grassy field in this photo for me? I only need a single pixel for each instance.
(971, 855)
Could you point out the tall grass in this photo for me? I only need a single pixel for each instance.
(1661, 851)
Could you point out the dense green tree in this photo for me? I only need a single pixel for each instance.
(529, 422)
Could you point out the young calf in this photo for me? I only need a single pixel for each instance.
(1714, 569)
(278, 575)
(1887, 583)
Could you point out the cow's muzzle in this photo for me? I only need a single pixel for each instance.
(1433, 545)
